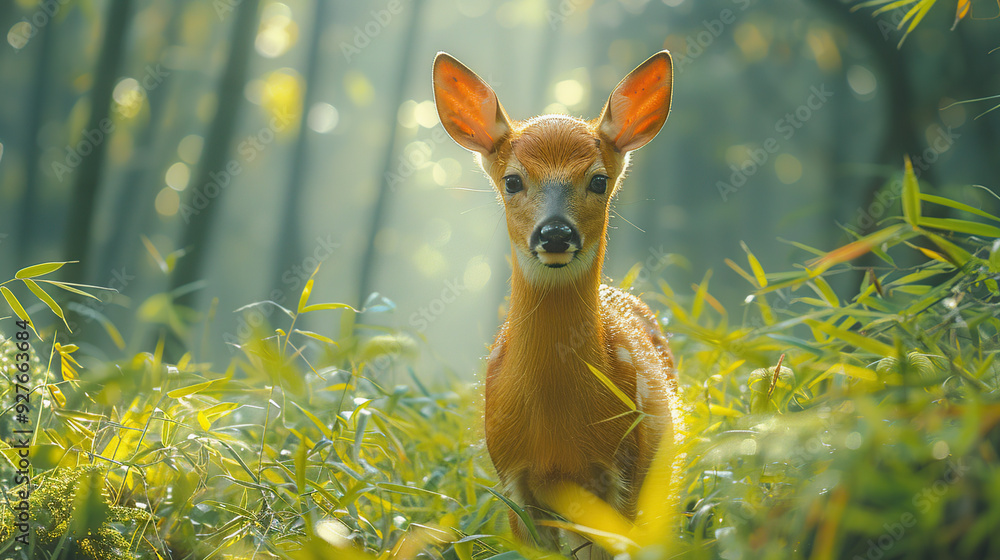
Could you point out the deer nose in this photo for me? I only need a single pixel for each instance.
(556, 236)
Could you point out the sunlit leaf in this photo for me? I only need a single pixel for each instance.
(854, 249)
(40, 269)
(46, 299)
(961, 226)
(961, 10)
(611, 387)
(17, 308)
(911, 194)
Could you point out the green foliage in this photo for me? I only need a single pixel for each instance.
(878, 436)
(819, 426)
(71, 515)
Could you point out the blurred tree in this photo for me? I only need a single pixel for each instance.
(290, 233)
(90, 172)
(36, 118)
(134, 205)
(196, 236)
(402, 74)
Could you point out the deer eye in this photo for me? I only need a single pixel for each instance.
(513, 184)
(599, 184)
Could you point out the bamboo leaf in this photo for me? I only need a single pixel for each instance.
(304, 298)
(18, 309)
(826, 291)
(46, 299)
(957, 206)
(611, 386)
(911, 194)
(961, 226)
(746, 275)
(73, 289)
(316, 336)
(630, 277)
(961, 10)
(758, 271)
(39, 269)
(853, 250)
(322, 306)
(854, 339)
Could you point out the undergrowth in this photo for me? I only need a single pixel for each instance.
(819, 426)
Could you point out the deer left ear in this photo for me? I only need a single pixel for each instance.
(639, 105)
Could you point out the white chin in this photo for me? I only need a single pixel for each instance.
(555, 260)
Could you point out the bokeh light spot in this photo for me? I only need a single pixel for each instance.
(569, 92)
(788, 168)
(19, 34)
(189, 148)
(178, 176)
(167, 202)
(323, 117)
(426, 114)
(477, 273)
(861, 80)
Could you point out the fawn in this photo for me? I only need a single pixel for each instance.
(548, 417)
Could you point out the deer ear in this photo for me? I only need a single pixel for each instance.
(467, 107)
(639, 105)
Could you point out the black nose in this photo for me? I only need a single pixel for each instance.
(555, 236)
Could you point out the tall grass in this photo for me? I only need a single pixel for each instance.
(819, 427)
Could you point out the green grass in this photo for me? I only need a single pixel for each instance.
(876, 437)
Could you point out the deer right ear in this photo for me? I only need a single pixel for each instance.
(467, 107)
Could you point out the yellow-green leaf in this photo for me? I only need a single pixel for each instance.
(39, 270)
(961, 10)
(854, 339)
(17, 308)
(630, 277)
(71, 288)
(961, 226)
(611, 386)
(853, 249)
(47, 299)
(304, 298)
(957, 206)
(826, 291)
(316, 336)
(911, 194)
(321, 306)
(854, 371)
(746, 275)
(758, 271)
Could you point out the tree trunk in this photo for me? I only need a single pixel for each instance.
(91, 169)
(402, 73)
(290, 234)
(196, 236)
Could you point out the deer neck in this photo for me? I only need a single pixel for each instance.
(557, 324)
